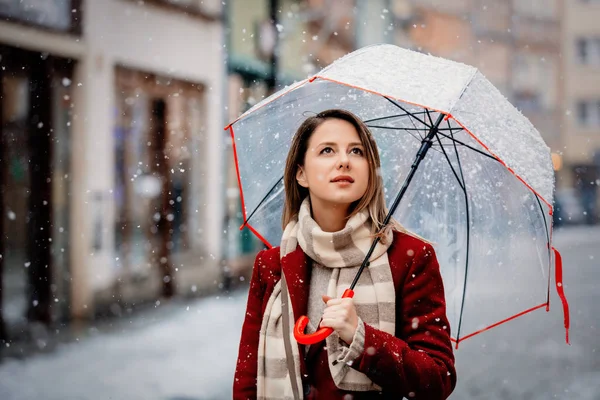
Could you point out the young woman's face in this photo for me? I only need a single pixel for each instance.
(335, 170)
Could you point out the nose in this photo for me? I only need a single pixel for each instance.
(344, 161)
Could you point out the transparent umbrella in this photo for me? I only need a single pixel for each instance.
(462, 168)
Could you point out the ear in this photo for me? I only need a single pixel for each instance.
(301, 177)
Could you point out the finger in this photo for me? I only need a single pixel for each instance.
(334, 302)
(330, 315)
(334, 309)
(341, 303)
(347, 301)
(330, 300)
(338, 314)
(331, 323)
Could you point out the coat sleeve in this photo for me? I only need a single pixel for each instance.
(419, 364)
(244, 383)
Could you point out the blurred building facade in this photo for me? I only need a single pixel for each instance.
(515, 44)
(527, 49)
(543, 56)
(271, 44)
(581, 104)
(112, 112)
(111, 154)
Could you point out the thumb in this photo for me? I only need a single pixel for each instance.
(326, 298)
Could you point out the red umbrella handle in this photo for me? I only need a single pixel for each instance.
(320, 334)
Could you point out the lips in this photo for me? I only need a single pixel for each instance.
(343, 178)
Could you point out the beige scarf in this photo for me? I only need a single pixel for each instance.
(343, 251)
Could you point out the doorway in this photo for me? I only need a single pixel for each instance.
(157, 128)
(35, 108)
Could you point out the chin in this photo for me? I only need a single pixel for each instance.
(345, 200)
(331, 198)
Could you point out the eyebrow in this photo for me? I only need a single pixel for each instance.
(335, 144)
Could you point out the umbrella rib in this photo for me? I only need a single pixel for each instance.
(429, 116)
(446, 145)
(462, 305)
(395, 128)
(431, 122)
(455, 141)
(461, 184)
(407, 129)
(451, 129)
(264, 198)
(390, 117)
(549, 247)
(415, 126)
(409, 113)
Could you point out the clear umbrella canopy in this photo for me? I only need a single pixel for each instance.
(482, 194)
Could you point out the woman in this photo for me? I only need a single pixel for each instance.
(393, 338)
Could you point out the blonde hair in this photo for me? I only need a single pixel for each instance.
(373, 199)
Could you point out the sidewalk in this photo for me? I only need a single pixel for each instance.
(177, 350)
(197, 278)
(577, 234)
(185, 349)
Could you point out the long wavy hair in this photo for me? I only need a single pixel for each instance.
(373, 199)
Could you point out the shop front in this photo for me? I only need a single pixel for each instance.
(159, 176)
(36, 108)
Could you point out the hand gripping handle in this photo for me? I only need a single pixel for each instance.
(320, 334)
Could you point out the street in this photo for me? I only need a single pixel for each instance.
(527, 358)
(186, 350)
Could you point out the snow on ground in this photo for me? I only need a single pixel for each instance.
(183, 354)
(186, 350)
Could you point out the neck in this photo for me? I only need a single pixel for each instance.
(331, 217)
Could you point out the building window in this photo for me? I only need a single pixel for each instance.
(159, 118)
(539, 9)
(55, 15)
(588, 113)
(588, 51)
(527, 101)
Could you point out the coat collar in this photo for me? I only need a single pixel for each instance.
(296, 267)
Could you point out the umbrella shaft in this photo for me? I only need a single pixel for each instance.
(425, 146)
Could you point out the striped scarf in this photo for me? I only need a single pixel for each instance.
(374, 298)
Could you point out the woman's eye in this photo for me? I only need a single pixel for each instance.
(327, 150)
(358, 151)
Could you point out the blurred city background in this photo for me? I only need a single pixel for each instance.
(123, 273)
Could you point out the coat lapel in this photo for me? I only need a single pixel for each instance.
(297, 275)
(296, 268)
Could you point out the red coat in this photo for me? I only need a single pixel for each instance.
(417, 363)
